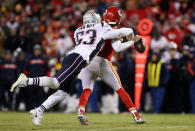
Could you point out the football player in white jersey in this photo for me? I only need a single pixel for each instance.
(89, 40)
(101, 67)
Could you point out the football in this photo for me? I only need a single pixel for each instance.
(139, 44)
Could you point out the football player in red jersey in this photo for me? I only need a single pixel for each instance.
(101, 67)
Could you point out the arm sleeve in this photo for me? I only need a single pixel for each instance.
(109, 33)
(118, 46)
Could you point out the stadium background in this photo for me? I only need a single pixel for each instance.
(30, 26)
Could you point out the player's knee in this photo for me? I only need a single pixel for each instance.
(88, 88)
(87, 85)
(116, 88)
(54, 83)
(61, 94)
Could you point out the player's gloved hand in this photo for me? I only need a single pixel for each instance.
(137, 38)
(139, 44)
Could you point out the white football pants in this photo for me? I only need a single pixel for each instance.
(100, 67)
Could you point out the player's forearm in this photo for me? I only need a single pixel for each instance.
(117, 33)
(118, 46)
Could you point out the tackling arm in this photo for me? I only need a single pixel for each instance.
(118, 46)
(110, 33)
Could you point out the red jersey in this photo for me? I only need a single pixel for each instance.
(107, 50)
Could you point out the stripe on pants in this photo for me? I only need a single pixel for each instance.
(70, 70)
(116, 75)
(69, 67)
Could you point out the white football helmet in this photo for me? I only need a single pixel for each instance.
(91, 17)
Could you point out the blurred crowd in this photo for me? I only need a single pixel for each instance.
(36, 34)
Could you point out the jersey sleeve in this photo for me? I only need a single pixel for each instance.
(118, 46)
(110, 33)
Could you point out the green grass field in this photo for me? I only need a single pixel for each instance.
(10, 121)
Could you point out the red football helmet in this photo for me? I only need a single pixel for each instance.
(113, 15)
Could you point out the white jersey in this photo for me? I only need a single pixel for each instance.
(90, 38)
